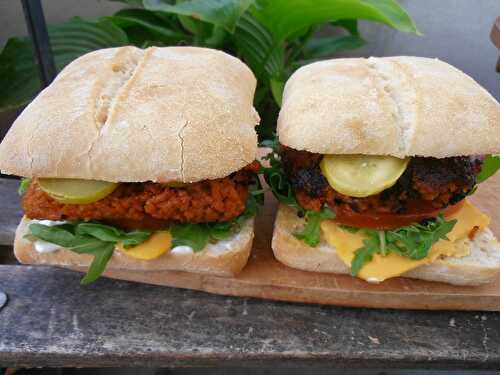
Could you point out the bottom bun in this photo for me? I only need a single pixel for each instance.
(224, 258)
(481, 266)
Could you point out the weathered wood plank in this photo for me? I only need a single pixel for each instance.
(50, 320)
(10, 210)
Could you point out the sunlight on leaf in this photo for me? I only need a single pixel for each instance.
(284, 17)
(223, 13)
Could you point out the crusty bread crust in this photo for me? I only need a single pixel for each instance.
(400, 106)
(130, 115)
(480, 267)
(229, 263)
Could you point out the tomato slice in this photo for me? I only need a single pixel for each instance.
(377, 220)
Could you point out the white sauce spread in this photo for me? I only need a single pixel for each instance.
(49, 223)
(182, 250)
(221, 247)
(41, 246)
(45, 247)
(215, 249)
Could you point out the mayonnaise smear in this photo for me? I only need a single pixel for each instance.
(41, 246)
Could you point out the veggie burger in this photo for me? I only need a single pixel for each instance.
(139, 160)
(375, 163)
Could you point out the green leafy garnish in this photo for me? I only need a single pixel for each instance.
(277, 180)
(413, 241)
(276, 177)
(23, 185)
(490, 166)
(94, 239)
(312, 231)
(197, 236)
(108, 233)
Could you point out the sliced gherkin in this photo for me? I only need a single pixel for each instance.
(76, 191)
(362, 175)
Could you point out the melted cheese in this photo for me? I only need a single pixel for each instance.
(392, 265)
(155, 246)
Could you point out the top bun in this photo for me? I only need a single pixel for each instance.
(400, 106)
(129, 115)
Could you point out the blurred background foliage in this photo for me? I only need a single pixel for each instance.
(274, 37)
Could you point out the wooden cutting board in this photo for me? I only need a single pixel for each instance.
(264, 277)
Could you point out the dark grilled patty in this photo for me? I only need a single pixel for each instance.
(427, 182)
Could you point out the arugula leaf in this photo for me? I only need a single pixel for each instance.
(102, 254)
(490, 166)
(111, 234)
(364, 254)
(221, 231)
(195, 236)
(95, 239)
(281, 188)
(254, 199)
(62, 235)
(413, 241)
(311, 232)
(23, 185)
(276, 177)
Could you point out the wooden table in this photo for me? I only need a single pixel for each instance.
(50, 320)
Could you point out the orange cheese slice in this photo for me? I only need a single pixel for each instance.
(392, 265)
(159, 243)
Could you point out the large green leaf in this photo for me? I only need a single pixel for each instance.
(18, 72)
(257, 47)
(327, 46)
(350, 25)
(132, 3)
(142, 25)
(224, 13)
(285, 17)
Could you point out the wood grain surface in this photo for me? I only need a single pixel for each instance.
(264, 277)
(51, 320)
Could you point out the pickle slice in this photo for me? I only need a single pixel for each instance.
(362, 175)
(75, 191)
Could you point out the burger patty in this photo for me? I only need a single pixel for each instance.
(151, 205)
(426, 183)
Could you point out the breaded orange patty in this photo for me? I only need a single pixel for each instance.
(151, 205)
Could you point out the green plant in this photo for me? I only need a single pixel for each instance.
(274, 37)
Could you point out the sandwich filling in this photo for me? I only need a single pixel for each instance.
(384, 216)
(142, 220)
(150, 205)
(426, 184)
